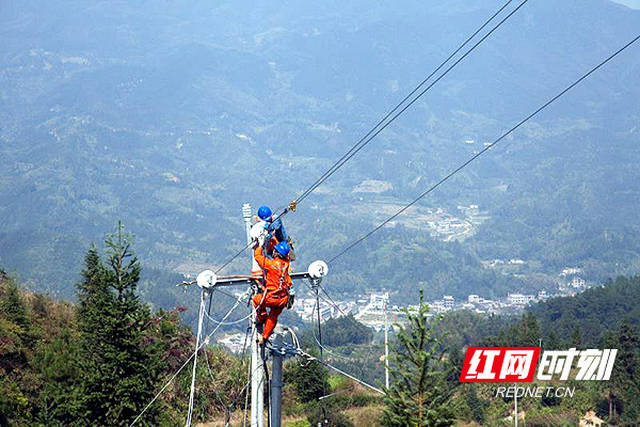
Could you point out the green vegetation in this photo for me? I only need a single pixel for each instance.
(588, 317)
(338, 332)
(420, 394)
(101, 360)
(602, 317)
(120, 362)
(168, 128)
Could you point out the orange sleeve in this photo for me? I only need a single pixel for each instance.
(262, 260)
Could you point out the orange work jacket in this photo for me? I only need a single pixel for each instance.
(276, 271)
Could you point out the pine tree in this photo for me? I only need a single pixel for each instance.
(15, 330)
(420, 394)
(119, 361)
(576, 337)
(476, 404)
(553, 343)
(624, 386)
(525, 333)
(530, 329)
(59, 397)
(13, 307)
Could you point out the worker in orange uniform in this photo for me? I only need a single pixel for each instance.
(275, 294)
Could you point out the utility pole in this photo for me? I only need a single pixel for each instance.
(386, 342)
(515, 408)
(203, 295)
(276, 383)
(316, 287)
(257, 370)
(208, 280)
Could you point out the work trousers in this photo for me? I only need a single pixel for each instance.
(275, 301)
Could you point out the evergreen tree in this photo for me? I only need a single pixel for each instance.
(119, 361)
(420, 394)
(310, 381)
(530, 330)
(14, 405)
(56, 362)
(553, 343)
(525, 333)
(624, 386)
(13, 307)
(576, 337)
(476, 404)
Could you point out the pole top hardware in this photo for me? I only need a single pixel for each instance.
(246, 211)
(206, 279)
(318, 269)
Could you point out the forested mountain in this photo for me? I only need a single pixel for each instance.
(590, 316)
(57, 366)
(170, 115)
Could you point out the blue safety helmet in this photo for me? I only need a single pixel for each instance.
(283, 249)
(264, 212)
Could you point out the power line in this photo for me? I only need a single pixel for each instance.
(232, 322)
(327, 299)
(331, 300)
(236, 255)
(204, 342)
(373, 132)
(484, 150)
(192, 391)
(340, 371)
(370, 134)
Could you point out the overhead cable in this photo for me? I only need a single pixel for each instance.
(340, 371)
(173, 377)
(487, 148)
(388, 117)
(383, 123)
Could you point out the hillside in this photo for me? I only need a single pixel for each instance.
(602, 317)
(170, 116)
(44, 354)
(593, 313)
(44, 349)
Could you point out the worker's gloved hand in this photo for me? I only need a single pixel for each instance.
(258, 235)
(254, 243)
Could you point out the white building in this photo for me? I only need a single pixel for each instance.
(437, 306)
(578, 283)
(447, 302)
(569, 271)
(520, 299)
(473, 299)
(378, 301)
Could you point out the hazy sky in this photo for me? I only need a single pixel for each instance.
(631, 3)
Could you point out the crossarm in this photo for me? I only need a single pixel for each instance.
(246, 279)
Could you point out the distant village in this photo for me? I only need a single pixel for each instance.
(375, 311)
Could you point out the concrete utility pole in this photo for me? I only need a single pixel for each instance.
(276, 383)
(257, 370)
(515, 408)
(203, 295)
(208, 280)
(386, 342)
(315, 285)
